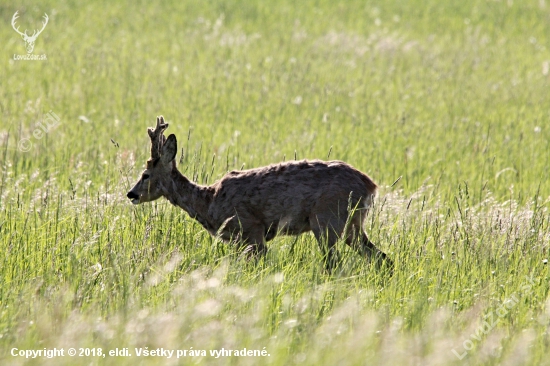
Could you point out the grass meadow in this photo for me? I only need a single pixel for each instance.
(448, 100)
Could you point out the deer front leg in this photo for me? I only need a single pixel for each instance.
(255, 243)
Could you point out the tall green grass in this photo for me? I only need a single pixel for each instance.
(450, 97)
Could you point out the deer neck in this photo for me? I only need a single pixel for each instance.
(191, 197)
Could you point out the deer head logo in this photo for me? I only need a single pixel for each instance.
(29, 40)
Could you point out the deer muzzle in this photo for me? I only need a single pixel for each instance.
(134, 197)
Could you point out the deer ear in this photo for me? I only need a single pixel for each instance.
(169, 149)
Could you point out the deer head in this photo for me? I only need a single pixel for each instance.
(159, 166)
(29, 40)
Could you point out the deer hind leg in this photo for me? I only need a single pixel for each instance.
(326, 231)
(358, 240)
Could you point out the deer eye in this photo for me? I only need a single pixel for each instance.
(145, 176)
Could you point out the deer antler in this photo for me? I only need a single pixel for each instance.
(43, 26)
(157, 137)
(13, 19)
(35, 33)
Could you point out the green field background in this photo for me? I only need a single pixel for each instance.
(445, 104)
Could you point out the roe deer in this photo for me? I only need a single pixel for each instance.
(250, 207)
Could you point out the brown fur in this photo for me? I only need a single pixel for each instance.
(252, 206)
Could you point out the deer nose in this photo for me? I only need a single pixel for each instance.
(131, 195)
